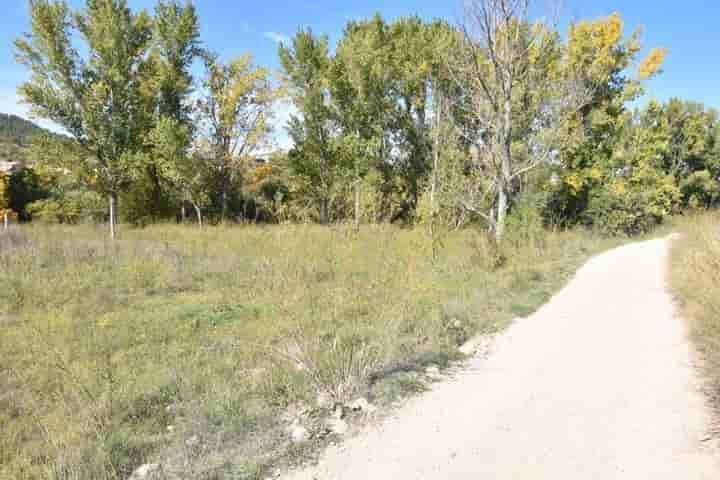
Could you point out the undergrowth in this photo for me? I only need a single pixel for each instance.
(189, 346)
(695, 280)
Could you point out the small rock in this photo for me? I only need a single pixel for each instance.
(323, 400)
(457, 324)
(361, 405)
(299, 434)
(475, 345)
(170, 428)
(339, 412)
(432, 370)
(338, 426)
(149, 471)
(193, 441)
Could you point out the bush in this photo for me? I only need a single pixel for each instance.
(524, 226)
(700, 190)
(634, 204)
(71, 209)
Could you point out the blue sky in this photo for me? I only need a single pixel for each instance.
(688, 29)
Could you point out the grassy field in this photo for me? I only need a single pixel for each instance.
(194, 347)
(695, 279)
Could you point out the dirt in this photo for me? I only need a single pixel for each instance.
(600, 383)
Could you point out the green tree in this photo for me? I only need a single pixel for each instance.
(316, 160)
(4, 195)
(176, 47)
(99, 99)
(233, 111)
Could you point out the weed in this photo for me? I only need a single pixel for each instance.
(115, 354)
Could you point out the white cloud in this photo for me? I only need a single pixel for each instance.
(277, 37)
(282, 111)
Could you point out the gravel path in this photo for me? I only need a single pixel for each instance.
(599, 384)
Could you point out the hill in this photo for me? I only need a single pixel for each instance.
(15, 135)
(17, 130)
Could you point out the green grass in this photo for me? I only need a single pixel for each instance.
(188, 346)
(695, 280)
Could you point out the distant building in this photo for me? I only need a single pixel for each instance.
(8, 168)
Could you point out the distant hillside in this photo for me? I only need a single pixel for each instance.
(15, 137)
(17, 130)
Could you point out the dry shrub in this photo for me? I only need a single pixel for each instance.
(486, 252)
(695, 279)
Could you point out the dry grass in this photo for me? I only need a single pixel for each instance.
(695, 279)
(190, 347)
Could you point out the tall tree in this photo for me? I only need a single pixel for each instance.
(507, 70)
(234, 110)
(598, 53)
(361, 89)
(315, 160)
(97, 99)
(177, 46)
(4, 199)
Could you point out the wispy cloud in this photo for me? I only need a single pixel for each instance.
(277, 37)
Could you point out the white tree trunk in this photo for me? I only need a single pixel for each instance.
(357, 203)
(198, 213)
(113, 214)
(502, 208)
(6, 220)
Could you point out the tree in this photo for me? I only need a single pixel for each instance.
(366, 111)
(99, 99)
(188, 172)
(315, 161)
(507, 69)
(598, 53)
(4, 198)
(177, 45)
(233, 114)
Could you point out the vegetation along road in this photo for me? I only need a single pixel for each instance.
(598, 384)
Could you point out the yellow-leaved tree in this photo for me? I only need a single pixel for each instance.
(4, 198)
(599, 53)
(234, 111)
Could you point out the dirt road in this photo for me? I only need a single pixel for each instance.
(598, 384)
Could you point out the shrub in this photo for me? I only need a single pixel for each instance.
(700, 190)
(695, 280)
(632, 204)
(71, 209)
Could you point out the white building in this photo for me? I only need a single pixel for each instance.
(8, 168)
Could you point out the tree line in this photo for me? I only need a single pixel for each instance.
(408, 120)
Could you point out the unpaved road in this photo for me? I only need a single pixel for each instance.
(599, 384)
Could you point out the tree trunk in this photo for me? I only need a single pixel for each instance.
(198, 213)
(113, 200)
(502, 208)
(323, 211)
(223, 212)
(434, 176)
(505, 173)
(183, 213)
(436, 158)
(6, 220)
(357, 203)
